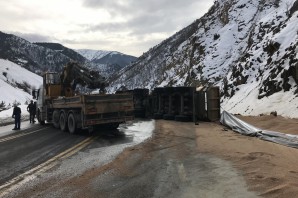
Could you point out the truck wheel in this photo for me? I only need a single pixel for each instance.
(56, 123)
(62, 122)
(42, 122)
(113, 126)
(168, 117)
(71, 122)
(182, 118)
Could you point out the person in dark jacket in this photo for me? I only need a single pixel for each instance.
(17, 117)
(31, 110)
(34, 111)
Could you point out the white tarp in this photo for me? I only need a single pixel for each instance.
(244, 128)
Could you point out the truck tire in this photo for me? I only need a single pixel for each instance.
(42, 122)
(71, 122)
(168, 117)
(63, 121)
(113, 126)
(182, 118)
(56, 122)
(157, 116)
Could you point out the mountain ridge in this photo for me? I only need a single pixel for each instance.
(106, 62)
(72, 54)
(33, 57)
(40, 57)
(244, 47)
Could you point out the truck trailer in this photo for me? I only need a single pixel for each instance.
(59, 103)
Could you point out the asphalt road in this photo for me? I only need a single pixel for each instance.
(25, 149)
(168, 164)
(36, 150)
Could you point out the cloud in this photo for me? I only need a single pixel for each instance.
(147, 17)
(133, 26)
(32, 37)
(142, 24)
(128, 7)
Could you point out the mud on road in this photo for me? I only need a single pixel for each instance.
(167, 165)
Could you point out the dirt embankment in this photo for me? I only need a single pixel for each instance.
(269, 168)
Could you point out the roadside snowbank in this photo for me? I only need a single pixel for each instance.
(6, 116)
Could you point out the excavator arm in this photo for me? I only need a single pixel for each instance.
(74, 74)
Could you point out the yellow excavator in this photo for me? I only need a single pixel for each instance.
(64, 84)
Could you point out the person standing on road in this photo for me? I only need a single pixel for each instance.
(30, 109)
(17, 117)
(34, 111)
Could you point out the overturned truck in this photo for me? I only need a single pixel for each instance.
(178, 103)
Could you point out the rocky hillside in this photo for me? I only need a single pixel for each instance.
(72, 54)
(41, 57)
(33, 57)
(247, 47)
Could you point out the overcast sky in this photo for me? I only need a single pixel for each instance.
(127, 26)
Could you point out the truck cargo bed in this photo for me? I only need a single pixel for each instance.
(99, 109)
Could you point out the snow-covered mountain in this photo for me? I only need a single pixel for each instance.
(247, 47)
(33, 57)
(107, 62)
(72, 54)
(16, 84)
(92, 54)
(41, 57)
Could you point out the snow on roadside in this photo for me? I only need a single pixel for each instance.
(137, 132)
(6, 116)
(12, 74)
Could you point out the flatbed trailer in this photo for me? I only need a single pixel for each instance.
(58, 104)
(87, 111)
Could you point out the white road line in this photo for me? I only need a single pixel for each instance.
(31, 174)
(20, 135)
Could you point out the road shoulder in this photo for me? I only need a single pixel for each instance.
(269, 169)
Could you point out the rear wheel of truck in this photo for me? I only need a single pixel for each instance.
(62, 121)
(114, 126)
(56, 122)
(71, 122)
(110, 126)
(42, 122)
(182, 118)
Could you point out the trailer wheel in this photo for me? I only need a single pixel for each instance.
(62, 121)
(71, 122)
(182, 118)
(42, 122)
(157, 116)
(112, 126)
(56, 122)
(168, 117)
